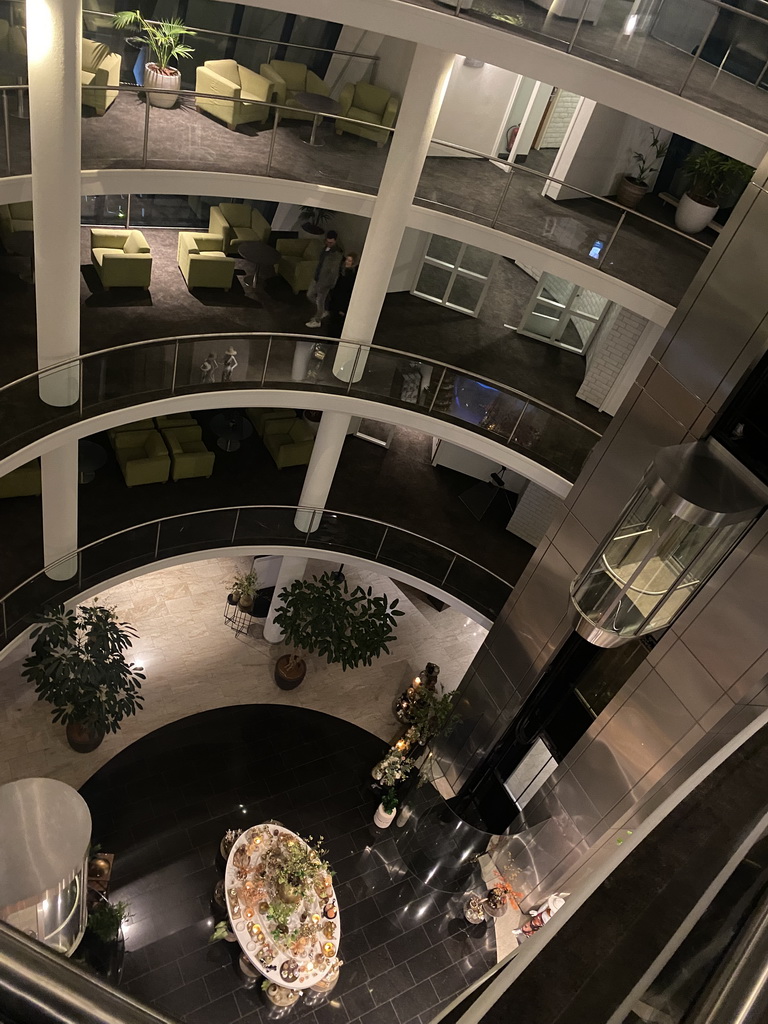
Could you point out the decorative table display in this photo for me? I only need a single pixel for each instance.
(282, 906)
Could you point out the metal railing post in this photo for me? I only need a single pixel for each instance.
(607, 248)
(275, 123)
(699, 48)
(437, 391)
(510, 176)
(5, 623)
(517, 423)
(80, 377)
(448, 571)
(7, 130)
(234, 528)
(381, 543)
(266, 361)
(572, 43)
(175, 364)
(146, 130)
(157, 538)
(354, 368)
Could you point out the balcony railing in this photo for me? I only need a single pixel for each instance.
(255, 525)
(144, 371)
(707, 51)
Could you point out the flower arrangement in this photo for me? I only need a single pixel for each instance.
(393, 768)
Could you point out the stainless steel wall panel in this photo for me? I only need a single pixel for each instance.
(575, 543)
(646, 429)
(748, 685)
(494, 679)
(743, 363)
(673, 397)
(575, 802)
(717, 712)
(694, 687)
(701, 351)
(761, 698)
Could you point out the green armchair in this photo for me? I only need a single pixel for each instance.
(259, 417)
(21, 482)
(203, 262)
(121, 258)
(232, 82)
(175, 419)
(288, 78)
(142, 456)
(189, 456)
(289, 442)
(298, 261)
(364, 102)
(136, 425)
(100, 68)
(15, 217)
(236, 223)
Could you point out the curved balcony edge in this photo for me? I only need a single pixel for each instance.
(249, 530)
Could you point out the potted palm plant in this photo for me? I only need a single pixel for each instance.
(634, 186)
(350, 628)
(244, 589)
(713, 179)
(78, 665)
(312, 220)
(164, 42)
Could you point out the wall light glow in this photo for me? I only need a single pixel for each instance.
(39, 31)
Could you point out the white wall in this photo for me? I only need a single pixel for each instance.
(534, 112)
(584, 158)
(471, 464)
(390, 71)
(476, 108)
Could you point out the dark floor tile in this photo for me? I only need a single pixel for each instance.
(358, 1001)
(430, 962)
(225, 979)
(182, 1001)
(156, 983)
(476, 965)
(450, 981)
(383, 1014)
(353, 974)
(391, 983)
(222, 1011)
(204, 961)
(358, 915)
(134, 965)
(377, 961)
(332, 1012)
(408, 945)
(415, 1000)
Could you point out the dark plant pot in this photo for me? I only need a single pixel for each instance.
(312, 229)
(629, 193)
(288, 676)
(83, 738)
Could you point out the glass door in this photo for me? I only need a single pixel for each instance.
(562, 314)
(454, 274)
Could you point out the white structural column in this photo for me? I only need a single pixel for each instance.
(291, 569)
(422, 98)
(330, 439)
(54, 31)
(59, 479)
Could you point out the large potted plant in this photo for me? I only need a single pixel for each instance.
(164, 42)
(312, 220)
(349, 628)
(78, 665)
(713, 179)
(633, 186)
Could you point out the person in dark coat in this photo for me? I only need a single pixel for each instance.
(341, 294)
(326, 275)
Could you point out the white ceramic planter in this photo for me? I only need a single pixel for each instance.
(382, 818)
(169, 83)
(691, 216)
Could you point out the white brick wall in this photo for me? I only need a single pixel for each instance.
(564, 109)
(533, 513)
(617, 336)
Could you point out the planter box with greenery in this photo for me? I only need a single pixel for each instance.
(78, 665)
(164, 42)
(349, 628)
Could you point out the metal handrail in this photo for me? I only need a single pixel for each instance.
(311, 511)
(514, 168)
(64, 364)
(252, 39)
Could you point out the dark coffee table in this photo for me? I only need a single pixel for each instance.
(259, 255)
(320, 106)
(231, 428)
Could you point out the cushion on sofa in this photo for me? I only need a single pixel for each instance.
(132, 244)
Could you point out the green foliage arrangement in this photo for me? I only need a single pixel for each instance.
(389, 801)
(164, 38)
(394, 768)
(246, 583)
(105, 918)
(714, 176)
(77, 664)
(429, 714)
(221, 931)
(348, 628)
(647, 163)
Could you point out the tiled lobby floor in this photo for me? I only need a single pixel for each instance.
(162, 806)
(195, 663)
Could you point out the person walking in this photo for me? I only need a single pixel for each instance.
(326, 275)
(341, 294)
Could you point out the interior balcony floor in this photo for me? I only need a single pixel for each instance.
(641, 57)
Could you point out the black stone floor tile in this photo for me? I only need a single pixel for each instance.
(389, 919)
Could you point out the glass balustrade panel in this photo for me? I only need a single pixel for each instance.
(113, 137)
(123, 376)
(14, 143)
(456, 183)
(22, 607)
(328, 149)
(417, 555)
(337, 532)
(304, 363)
(480, 589)
(395, 378)
(25, 416)
(196, 531)
(553, 441)
(221, 363)
(553, 23)
(113, 555)
(268, 524)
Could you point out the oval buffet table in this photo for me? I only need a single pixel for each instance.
(301, 953)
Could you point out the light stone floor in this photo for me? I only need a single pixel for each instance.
(194, 662)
